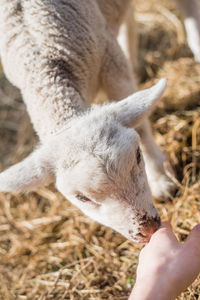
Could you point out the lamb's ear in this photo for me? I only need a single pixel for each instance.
(33, 171)
(133, 109)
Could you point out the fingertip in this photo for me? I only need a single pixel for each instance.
(165, 229)
(166, 225)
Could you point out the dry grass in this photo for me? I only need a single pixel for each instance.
(48, 249)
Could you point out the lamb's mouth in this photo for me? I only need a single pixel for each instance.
(140, 238)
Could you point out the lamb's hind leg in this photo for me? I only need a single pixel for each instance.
(155, 159)
(118, 82)
(156, 164)
(191, 14)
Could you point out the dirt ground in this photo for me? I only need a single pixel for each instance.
(48, 248)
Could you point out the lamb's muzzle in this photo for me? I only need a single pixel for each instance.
(147, 229)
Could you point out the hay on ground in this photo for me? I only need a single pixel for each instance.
(48, 248)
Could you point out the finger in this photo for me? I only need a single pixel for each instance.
(166, 225)
(165, 234)
(193, 240)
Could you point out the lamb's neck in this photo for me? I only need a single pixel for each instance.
(51, 106)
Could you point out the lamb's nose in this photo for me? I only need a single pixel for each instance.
(151, 225)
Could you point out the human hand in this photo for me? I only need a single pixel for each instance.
(166, 267)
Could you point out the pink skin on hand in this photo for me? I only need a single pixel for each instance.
(166, 267)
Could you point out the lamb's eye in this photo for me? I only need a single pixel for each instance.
(138, 155)
(82, 198)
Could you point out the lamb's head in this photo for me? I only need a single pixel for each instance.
(97, 164)
(105, 177)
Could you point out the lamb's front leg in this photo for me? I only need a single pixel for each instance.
(128, 38)
(118, 82)
(156, 164)
(191, 13)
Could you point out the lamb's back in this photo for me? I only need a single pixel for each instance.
(68, 35)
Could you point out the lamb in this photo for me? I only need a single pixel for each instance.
(59, 54)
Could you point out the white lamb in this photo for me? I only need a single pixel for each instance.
(60, 53)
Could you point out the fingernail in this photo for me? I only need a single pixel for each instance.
(197, 227)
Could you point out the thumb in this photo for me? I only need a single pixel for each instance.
(193, 239)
